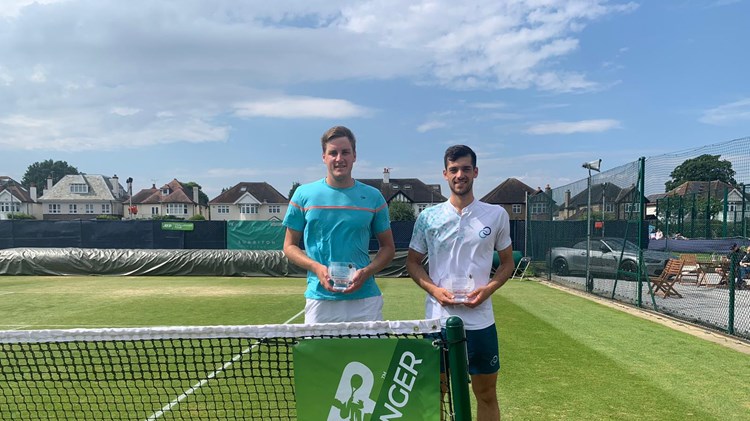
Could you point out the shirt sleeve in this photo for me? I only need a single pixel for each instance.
(382, 220)
(295, 216)
(503, 240)
(418, 241)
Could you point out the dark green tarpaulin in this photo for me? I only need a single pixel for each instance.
(255, 235)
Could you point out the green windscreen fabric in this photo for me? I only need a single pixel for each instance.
(255, 235)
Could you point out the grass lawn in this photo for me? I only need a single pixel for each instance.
(563, 357)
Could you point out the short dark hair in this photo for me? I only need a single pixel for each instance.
(459, 151)
(338, 131)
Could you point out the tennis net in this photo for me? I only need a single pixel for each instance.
(175, 373)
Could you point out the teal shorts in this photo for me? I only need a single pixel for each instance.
(482, 350)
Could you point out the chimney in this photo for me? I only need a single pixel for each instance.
(115, 186)
(548, 189)
(386, 175)
(32, 192)
(196, 195)
(49, 182)
(567, 198)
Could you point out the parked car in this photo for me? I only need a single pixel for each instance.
(605, 258)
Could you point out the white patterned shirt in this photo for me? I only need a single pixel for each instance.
(461, 245)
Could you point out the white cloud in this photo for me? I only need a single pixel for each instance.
(431, 125)
(300, 107)
(584, 126)
(728, 113)
(124, 111)
(186, 64)
(38, 75)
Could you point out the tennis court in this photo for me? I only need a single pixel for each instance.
(563, 357)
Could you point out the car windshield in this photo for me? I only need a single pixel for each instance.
(617, 244)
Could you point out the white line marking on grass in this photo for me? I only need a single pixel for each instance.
(195, 387)
(6, 293)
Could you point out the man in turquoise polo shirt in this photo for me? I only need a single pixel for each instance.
(337, 216)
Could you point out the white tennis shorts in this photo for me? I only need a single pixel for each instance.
(335, 311)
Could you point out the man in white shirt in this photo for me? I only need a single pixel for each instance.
(460, 237)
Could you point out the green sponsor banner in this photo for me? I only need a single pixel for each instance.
(177, 226)
(367, 380)
(255, 235)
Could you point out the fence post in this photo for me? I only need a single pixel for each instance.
(458, 363)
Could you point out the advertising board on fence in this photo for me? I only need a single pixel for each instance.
(367, 379)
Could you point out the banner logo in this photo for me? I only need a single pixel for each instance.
(353, 399)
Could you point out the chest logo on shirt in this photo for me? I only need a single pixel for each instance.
(486, 231)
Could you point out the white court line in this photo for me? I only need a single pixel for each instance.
(6, 293)
(210, 376)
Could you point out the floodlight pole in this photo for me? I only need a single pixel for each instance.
(593, 165)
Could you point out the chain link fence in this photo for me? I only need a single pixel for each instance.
(613, 232)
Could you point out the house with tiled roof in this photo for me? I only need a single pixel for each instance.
(511, 194)
(15, 198)
(174, 199)
(82, 196)
(408, 190)
(716, 191)
(249, 201)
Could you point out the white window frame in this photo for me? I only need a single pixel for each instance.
(106, 208)
(79, 188)
(154, 210)
(274, 208)
(72, 208)
(54, 208)
(222, 209)
(538, 208)
(88, 208)
(249, 208)
(516, 208)
(177, 209)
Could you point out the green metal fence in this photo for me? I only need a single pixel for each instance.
(611, 233)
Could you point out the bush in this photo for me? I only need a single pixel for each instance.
(20, 215)
(198, 217)
(108, 218)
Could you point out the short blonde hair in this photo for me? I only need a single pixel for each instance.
(335, 132)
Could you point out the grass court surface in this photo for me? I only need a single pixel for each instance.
(563, 357)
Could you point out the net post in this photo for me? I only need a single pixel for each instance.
(458, 363)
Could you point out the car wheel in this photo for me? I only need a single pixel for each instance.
(629, 266)
(560, 266)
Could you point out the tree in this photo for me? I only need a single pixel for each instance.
(293, 189)
(38, 172)
(202, 197)
(401, 211)
(703, 168)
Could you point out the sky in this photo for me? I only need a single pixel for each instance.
(221, 92)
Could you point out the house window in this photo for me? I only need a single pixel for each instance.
(176, 209)
(165, 192)
(79, 188)
(249, 208)
(106, 208)
(609, 207)
(516, 208)
(10, 207)
(394, 186)
(72, 208)
(222, 209)
(274, 208)
(732, 207)
(421, 207)
(154, 210)
(53, 208)
(632, 207)
(88, 208)
(407, 186)
(538, 208)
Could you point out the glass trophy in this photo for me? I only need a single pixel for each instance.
(460, 287)
(341, 273)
